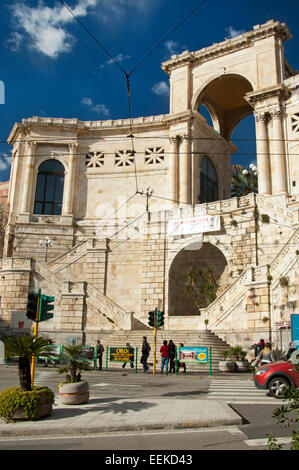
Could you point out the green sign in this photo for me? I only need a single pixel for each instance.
(121, 354)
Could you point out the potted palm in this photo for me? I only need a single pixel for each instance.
(227, 365)
(242, 365)
(26, 402)
(74, 390)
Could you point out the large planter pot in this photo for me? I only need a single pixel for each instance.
(74, 393)
(242, 366)
(227, 366)
(16, 405)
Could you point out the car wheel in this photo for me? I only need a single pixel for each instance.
(277, 386)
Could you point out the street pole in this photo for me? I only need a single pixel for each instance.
(155, 343)
(35, 333)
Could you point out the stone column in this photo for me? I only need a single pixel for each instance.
(28, 177)
(173, 170)
(262, 151)
(185, 170)
(278, 158)
(70, 181)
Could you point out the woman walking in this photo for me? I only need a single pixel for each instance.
(164, 351)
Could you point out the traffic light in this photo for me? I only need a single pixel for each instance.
(160, 318)
(32, 306)
(151, 318)
(45, 307)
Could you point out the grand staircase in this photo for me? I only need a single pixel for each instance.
(188, 338)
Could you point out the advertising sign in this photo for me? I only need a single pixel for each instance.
(193, 225)
(121, 354)
(295, 328)
(196, 354)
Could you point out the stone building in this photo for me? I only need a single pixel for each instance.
(107, 193)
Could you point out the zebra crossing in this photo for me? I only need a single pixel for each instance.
(241, 391)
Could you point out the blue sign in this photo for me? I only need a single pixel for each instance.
(199, 355)
(295, 329)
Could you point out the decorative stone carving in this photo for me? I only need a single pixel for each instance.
(295, 123)
(154, 155)
(124, 158)
(94, 160)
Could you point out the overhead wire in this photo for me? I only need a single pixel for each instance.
(126, 74)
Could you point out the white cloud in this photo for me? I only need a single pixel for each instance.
(99, 109)
(173, 47)
(119, 58)
(160, 89)
(44, 29)
(5, 162)
(232, 32)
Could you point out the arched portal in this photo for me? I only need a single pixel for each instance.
(179, 303)
(224, 98)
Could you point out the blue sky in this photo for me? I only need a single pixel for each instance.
(51, 67)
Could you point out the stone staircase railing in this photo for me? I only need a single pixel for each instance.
(234, 294)
(286, 256)
(228, 298)
(109, 308)
(52, 282)
(69, 257)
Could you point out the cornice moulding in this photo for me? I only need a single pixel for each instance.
(228, 46)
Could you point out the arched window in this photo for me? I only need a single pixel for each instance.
(49, 188)
(208, 181)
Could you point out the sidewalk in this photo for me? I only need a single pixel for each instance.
(109, 413)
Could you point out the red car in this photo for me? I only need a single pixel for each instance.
(276, 376)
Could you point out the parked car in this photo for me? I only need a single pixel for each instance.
(276, 377)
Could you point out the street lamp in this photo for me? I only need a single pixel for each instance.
(46, 243)
(148, 193)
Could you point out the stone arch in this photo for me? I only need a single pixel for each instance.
(224, 97)
(179, 304)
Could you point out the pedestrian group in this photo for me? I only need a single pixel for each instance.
(167, 351)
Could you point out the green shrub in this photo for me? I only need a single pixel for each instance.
(13, 398)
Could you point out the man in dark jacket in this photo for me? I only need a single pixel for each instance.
(145, 353)
(100, 351)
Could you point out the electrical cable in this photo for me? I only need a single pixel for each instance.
(167, 36)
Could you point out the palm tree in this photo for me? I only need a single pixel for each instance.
(24, 348)
(74, 364)
(201, 285)
(244, 180)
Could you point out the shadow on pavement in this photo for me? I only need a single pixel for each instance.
(106, 405)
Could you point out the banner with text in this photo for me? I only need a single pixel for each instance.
(193, 225)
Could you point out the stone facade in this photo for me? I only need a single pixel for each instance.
(112, 259)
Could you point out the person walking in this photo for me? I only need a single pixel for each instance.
(128, 346)
(259, 347)
(292, 348)
(266, 356)
(172, 349)
(164, 351)
(182, 364)
(145, 353)
(100, 351)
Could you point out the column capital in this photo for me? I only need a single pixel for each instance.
(261, 117)
(174, 139)
(73, 147)
(187, 137)
(275, 114)
(31, 144)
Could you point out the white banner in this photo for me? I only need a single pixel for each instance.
(200, 224)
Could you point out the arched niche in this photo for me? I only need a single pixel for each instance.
(179, 303)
